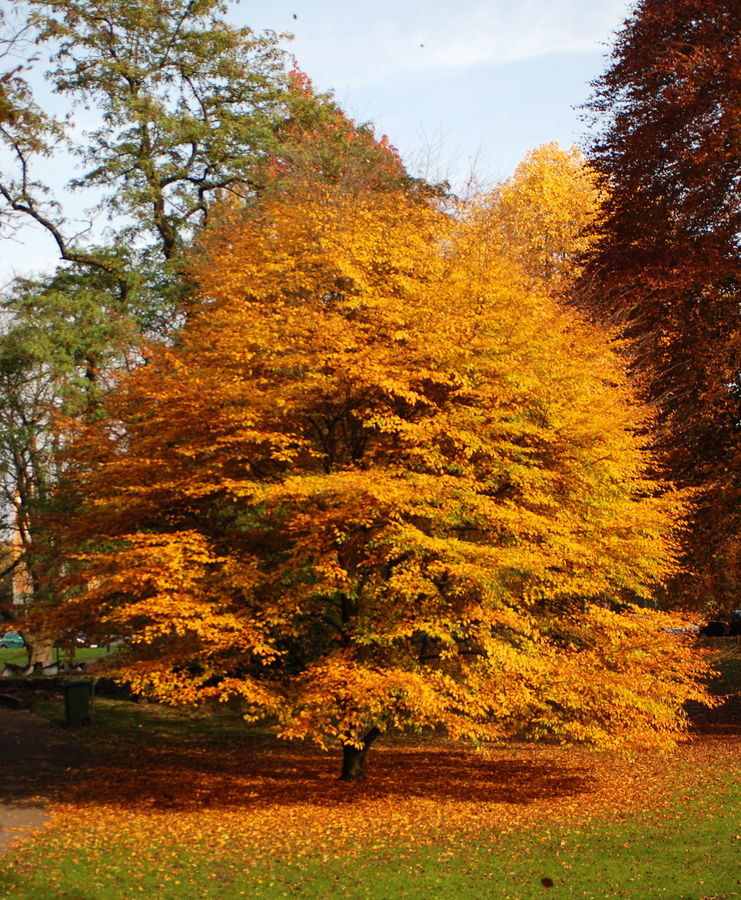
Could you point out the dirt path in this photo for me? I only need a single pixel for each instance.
(37, 761)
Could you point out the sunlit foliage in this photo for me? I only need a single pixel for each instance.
(545, 215)
(380, 481)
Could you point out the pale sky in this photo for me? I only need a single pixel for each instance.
(470, 82)
(458, 87)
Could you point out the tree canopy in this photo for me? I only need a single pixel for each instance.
(300, 439)
(665, 267)
(547, 214)
(378, 481)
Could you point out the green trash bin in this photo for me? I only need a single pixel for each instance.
(78, 701)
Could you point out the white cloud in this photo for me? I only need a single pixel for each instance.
(349, 45)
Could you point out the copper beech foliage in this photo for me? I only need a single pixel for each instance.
(381, 481)
(666, 267)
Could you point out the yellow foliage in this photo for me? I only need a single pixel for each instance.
(545, 217)
(380, 481)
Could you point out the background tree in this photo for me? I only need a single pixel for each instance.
(318, 141)
(190, 110)
(55, 355)
(378, 482)
(546, 214)
(666, 265)
(186, 104)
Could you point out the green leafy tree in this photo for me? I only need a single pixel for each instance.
(63, 343)
(186, 103)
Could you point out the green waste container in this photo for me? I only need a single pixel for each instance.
(78, 701)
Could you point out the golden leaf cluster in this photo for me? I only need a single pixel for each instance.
(381, 479)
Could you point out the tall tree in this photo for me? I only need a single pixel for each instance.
(666, 267)
(186, 105)
(318, 140)
(546, 215)
(378, 482)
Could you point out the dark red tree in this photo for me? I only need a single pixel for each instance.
(666, 268)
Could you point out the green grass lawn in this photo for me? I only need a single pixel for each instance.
(199, 806)
(20, 656)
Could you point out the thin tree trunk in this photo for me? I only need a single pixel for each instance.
(353, 758)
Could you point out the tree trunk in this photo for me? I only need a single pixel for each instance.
(40, 647)
(353, 758)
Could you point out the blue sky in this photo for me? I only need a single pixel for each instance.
(453, 84)
(460, 88)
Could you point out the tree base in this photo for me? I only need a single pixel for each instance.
(353, 758)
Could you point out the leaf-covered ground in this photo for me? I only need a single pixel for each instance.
(181, 807)
(287, 800)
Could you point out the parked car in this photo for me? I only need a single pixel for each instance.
(11, 640)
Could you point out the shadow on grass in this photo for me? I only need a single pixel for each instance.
(150, 757)
(720, 720)
(264, 772)
(39, 760)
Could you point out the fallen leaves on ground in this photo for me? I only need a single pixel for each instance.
(267, 799)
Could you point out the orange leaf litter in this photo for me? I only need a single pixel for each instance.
(268, 800)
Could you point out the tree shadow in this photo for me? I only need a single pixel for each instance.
(267, 773)
(724, 719)
(182, 770)
(38, 760)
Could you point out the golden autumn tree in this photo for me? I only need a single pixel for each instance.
(544, 216)
(378, 483)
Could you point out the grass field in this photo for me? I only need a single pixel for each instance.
(196, 806)
(20, 656)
